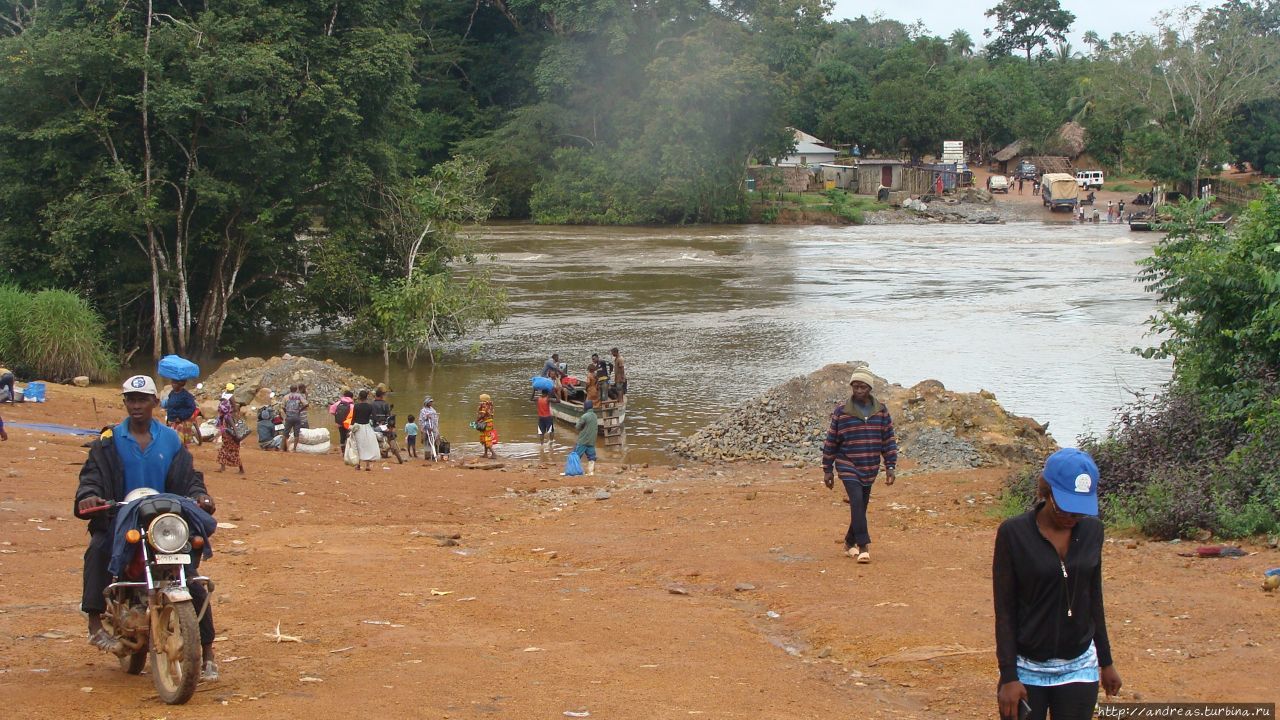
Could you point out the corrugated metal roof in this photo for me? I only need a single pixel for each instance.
(811, 148)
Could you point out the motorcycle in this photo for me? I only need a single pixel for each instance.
(385, 429)
(149, 606)
(1088, 199)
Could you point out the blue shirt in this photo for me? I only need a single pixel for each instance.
(146, 468)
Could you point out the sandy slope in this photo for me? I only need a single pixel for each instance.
(554, 601)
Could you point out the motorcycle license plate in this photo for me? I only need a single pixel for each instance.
(173, 559)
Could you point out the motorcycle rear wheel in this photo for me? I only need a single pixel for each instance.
(175, 652)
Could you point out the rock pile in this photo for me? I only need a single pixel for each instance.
(255, 378)
(936, 428)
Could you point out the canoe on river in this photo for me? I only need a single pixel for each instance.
(612, 414)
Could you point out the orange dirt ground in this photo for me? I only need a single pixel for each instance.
(551, 601)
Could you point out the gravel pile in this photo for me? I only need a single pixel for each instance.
(254, 377)
(936, 428)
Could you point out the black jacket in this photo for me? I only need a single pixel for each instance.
(103, 475)
(1032, 597)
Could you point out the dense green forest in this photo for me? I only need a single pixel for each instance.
(201, 171)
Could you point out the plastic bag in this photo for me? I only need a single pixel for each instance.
(351, 455)
(177, 368)
(572, 465)
(542, 383)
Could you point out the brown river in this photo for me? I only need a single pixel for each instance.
(1043, 315)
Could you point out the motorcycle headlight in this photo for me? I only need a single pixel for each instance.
(168, 533)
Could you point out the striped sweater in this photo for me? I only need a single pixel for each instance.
(855, 444)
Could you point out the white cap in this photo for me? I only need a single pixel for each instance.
(140, 384)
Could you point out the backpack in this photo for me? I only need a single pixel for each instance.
(293, 406)
(342, 414)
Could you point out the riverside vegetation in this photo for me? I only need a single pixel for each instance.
(1201, 455)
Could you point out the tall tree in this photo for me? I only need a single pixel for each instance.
(961, 43)
(1026, 25)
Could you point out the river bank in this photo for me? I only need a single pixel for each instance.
(693, 591)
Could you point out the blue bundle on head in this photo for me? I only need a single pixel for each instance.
(542, 383)
(177, 368)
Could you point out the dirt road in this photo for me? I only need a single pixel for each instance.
(707, 592)
(1033, 207)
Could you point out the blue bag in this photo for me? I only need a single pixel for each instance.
(572, 465)
(542, 383)
(177, 368)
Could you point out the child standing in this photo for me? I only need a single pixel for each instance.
(411, 437)
(484, 424)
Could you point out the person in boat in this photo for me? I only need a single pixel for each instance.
(604, 369)
(592, 383)
(552, 365)
(619, 373)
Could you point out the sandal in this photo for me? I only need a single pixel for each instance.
(105, 641)
(864, 557)
(209, 671)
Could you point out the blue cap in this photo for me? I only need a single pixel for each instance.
(1073, 477)
(586, 405)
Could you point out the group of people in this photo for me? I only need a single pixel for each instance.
(603, 379)
(1052, 647)
(1115, 213)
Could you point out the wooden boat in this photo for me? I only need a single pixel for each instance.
(612, 414)
(1140, 221)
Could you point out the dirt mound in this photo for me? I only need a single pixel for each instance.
(936, 428)
(255, 377)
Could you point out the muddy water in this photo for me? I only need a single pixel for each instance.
(1042, 315)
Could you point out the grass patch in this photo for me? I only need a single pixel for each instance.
(54, 335)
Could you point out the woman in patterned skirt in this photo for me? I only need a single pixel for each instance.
(228, 411)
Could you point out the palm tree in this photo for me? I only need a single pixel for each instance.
(961, 43)
(1093, 41)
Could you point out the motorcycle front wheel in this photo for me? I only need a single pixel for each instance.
(175, 652)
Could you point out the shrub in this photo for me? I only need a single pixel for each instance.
(14, 307)
(59, 337)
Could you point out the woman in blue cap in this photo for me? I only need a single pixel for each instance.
(1051, 631)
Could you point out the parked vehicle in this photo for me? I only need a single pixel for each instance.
(1026, 171)
(1059, 190)
(149, 606)
(998, 184)
(1087, 179)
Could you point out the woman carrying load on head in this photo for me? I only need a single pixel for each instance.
(1051, 631)
(228, 413)
(485, 425)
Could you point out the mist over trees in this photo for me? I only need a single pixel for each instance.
(202, 172)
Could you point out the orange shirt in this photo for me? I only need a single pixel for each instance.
(544, 407)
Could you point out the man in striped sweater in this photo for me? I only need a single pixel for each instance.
(861, 434)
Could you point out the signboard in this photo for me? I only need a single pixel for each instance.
(953, 151)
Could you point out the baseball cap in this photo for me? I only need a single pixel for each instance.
(139, 384)
(1073, 477)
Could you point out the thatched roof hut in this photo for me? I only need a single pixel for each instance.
(1008, 152)
(1070, 139)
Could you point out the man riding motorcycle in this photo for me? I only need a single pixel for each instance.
(139, 452)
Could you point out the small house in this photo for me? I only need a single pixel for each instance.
(844, 177)
(1007, 158)
(876, 172)
(809, 152)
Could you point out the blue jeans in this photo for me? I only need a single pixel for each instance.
(859, 497)
(588, 450)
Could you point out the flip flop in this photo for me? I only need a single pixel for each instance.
(864, 557)
(209, 672)
(104, 641)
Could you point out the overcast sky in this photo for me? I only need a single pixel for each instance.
(943, 16)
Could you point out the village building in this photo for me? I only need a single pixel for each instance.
(809, 152)
(876, 172)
